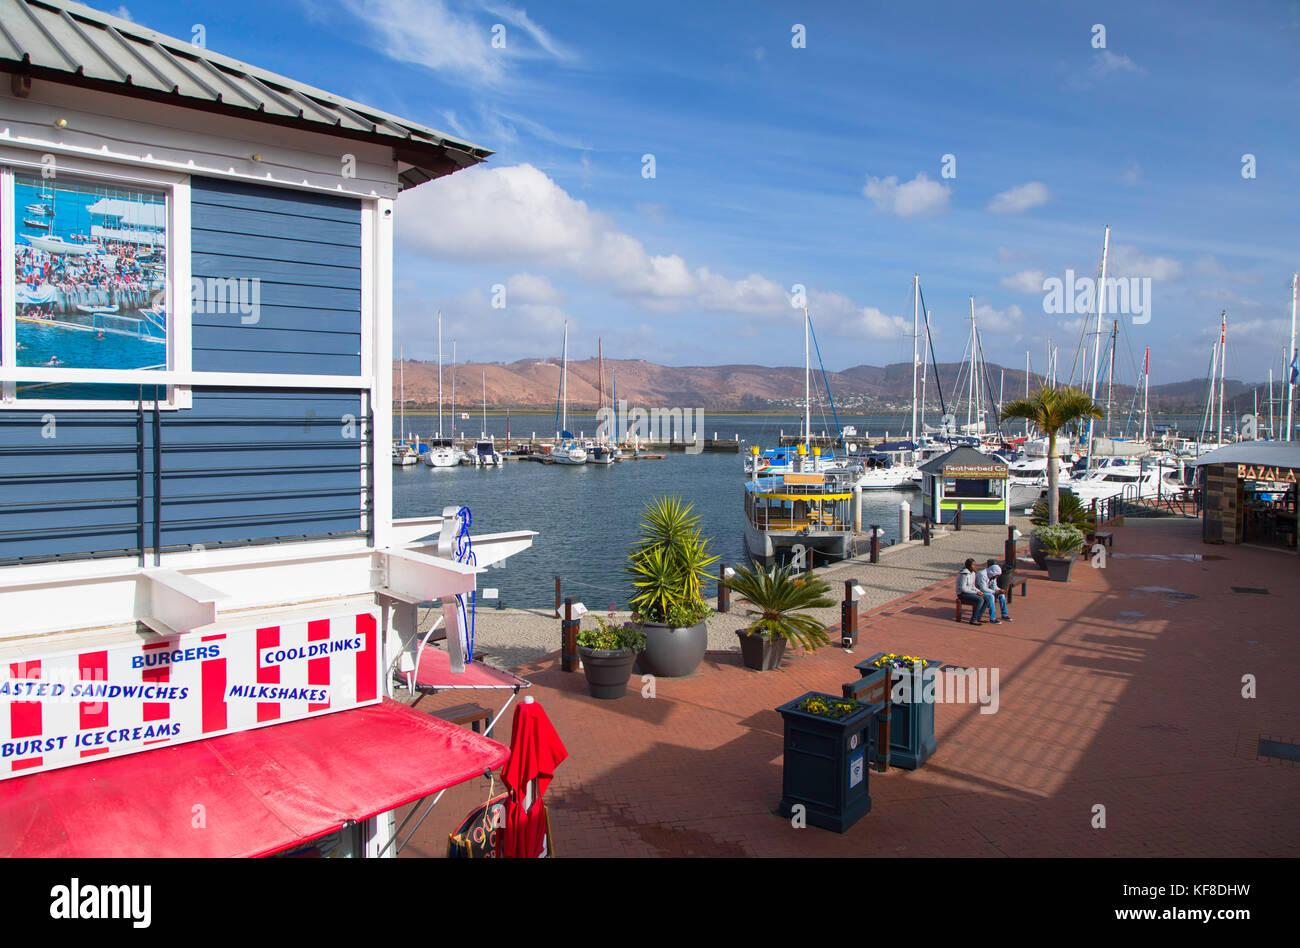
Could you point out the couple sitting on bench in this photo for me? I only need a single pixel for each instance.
(981, 589)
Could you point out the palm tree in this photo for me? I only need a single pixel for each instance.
(1050, 410)
(780, 597)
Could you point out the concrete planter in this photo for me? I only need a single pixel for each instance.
(670, 652)
(1059, 567)
(760, 652)
(607, 670)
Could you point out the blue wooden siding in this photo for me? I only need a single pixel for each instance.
(243, 465)
(305, 252)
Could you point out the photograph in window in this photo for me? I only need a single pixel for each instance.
(90, 274)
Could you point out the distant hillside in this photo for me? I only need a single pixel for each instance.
(535, 383)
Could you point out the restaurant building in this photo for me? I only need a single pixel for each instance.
(967, 480)
(204, 593)
(1249, 493)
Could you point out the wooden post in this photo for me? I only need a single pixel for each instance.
(957, 520)
(808, 561)
(1095, 522)
(569, 638)
(848, 616)
(1009, 550)
(724, 591)
(557, 594)
(875, 543)
(882, 727)
(925, 532)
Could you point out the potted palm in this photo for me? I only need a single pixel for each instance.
(1050, 410)
(1058, 543)
(780, 598)
(608, 653)
(667, 566)
(1070, 512)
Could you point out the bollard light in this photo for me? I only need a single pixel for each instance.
(858, 593)
(579, 609)
(728, 573)
(488, 593)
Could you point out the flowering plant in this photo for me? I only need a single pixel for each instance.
(900, 661)
(825, 706)
(610, 637)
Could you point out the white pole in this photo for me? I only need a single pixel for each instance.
(1026, 390)
(1207, 423)
(401, 414)
(807, 386)
(1146, 390)
(564, 382)
(1272, 431)
(1223, 366)
(1096, 348)
(453, 388)
(916, 339)
(970, 386)
(439, 373)
(1290, 386)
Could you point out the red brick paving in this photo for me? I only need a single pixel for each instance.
(1110, 694)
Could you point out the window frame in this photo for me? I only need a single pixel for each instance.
(179, 356)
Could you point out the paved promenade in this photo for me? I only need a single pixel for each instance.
(1121, 689)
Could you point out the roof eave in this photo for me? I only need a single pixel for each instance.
(428, 159)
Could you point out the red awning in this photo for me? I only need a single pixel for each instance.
(435, 673)
(247, 794)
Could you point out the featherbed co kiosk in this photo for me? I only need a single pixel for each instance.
(965, 479)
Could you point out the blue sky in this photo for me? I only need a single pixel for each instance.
(821, 166)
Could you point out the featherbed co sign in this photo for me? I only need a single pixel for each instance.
(75, 707)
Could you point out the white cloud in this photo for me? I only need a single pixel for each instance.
(1009, 320)
(1125, 260)
(1021, 198)
(123, 13)
(1026, 281)
(909, 199)
(1210, 267)
(518, 214)
(1107, 62)
(1132, 174)
(456, 43)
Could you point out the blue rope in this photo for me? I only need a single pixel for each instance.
(465, 554)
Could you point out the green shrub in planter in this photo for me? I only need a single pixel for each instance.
(608, 652)
(1060, 540)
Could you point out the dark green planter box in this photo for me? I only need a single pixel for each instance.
(911, 724)
(826, 765)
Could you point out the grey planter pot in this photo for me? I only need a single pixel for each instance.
(1058, 568)
(607, 670)
(672, 653)
(760, 652)
(1037, 553)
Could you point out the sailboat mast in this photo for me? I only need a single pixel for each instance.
(1272, 432)
(1207, 423)
(453, 388)
(484, 403)
(1096, 348)
(439, 373)
(401, 410)
(1026, 390)
(1110, 375)
(564, 382)
(971, 382)
(1146, 389)
(1290, 385)
(1223, 365)
(600, 379)
(807, 386)
(916, 339)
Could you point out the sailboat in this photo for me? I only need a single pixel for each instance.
(564, 450)
(893, 466)
(485, 449)
(600, 450)
(403, 454)
(442, 451)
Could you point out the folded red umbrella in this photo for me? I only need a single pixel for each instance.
(535, 751)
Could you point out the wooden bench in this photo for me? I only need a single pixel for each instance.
(463, 714)
(1104, 537)
(962, 602)
(1016, 579)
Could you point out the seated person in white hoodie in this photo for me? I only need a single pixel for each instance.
(968, 591)
(987, 582)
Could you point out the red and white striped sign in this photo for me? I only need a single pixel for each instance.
(72, 707)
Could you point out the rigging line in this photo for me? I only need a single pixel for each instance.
(988, 382)
(825, 381)
(930, 341)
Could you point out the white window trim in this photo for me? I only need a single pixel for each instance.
(179, 348)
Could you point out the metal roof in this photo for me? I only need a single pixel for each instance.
(73, 44)
(1258, 453)
(963, 454)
